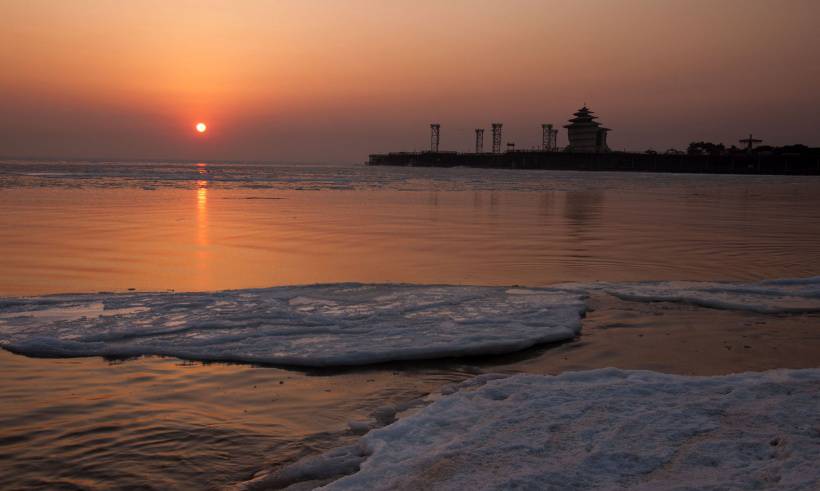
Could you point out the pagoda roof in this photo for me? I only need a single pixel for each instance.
(584, 117)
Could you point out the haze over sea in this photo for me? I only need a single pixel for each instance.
(89, 227)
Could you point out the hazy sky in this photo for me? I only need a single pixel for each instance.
(335, 80)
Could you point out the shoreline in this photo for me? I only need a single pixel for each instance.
(265, 408)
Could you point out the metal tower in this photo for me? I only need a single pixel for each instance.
(549, 138)
(479, 140)
(434, 136)
(497, 137)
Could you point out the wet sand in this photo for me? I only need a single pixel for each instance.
(94, 423)
(681, 339)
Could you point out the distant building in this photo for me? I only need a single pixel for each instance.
(585, 134)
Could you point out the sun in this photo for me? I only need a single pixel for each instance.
(201, 127)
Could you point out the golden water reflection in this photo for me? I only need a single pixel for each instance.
(202, 213)
(212, 238)
(203, 255)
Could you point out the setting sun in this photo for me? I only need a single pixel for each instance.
(336, 253)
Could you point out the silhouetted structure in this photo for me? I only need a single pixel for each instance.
(588, 151)
(434, 136)
(497, 137)
(755, 162)
(549, 138)
(585, 134)
(750, 142)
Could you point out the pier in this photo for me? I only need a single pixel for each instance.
(588, 151)
(736, 163)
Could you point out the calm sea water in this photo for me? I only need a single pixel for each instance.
(113, 226)
(160, 423)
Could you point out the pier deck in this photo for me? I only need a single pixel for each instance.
(735, 163)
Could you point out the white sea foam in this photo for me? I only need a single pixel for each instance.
(320, 325)
(599, 429)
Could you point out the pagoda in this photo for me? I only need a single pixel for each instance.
(585, 134)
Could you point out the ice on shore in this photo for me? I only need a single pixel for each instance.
(319, 325)
(799, 295)
(348, 324)
(598, 429)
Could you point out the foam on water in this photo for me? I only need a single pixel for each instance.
(599, 429)
(321, 325)
(348, 324)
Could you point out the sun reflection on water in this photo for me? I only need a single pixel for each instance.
(202, 242)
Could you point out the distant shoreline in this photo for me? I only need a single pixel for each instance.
(735, 163)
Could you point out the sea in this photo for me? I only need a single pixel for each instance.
(187, 242)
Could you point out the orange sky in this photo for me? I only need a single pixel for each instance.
(334, 80)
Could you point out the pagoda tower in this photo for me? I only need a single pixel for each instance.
(585, 134)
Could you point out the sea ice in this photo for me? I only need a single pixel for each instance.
(349, 324)
(319, 325)
(598, 429)
(769, 297)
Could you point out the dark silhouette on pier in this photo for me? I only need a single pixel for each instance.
(588, 150)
